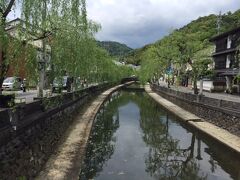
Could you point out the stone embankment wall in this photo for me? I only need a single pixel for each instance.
(30, 133)
(67, 162)
(224, 114)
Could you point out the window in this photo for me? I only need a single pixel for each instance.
(229, 42)
(228, 61)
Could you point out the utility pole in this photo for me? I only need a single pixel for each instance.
(42, 61)
(219, 22)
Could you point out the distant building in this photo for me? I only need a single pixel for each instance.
(134, 67)
(226, 59)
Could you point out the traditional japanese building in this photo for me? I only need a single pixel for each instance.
(226, 59)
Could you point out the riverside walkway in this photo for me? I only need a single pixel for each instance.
(215, 95)
(215, 132)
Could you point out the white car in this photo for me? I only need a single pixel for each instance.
(12, 83)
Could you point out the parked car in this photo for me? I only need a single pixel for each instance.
(60, 83)
(212, 85)
(12, 83)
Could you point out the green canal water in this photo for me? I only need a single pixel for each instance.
(135, 139)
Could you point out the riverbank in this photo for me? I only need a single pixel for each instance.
(223, 113)
(66, 163)
(30, 133)
(219, 134)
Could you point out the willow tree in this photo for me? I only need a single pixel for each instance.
(158, 59)
(200, 64)
(60, 28)
(151, 65)
(63, 26)
(73, 47)
(75, 44)
(8, 48)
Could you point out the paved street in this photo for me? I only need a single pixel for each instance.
(31, 94)
(216, 95)
(23, 96)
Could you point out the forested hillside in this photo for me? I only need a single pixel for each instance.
(115, 49)
(199, 30)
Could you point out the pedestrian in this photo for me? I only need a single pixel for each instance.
(85, 82)
(24, 85)
(69, 83)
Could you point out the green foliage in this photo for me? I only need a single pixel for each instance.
(135, 56)
(187, 45)
(152, 66)
(59, 28)
(115, 49)
(14, 51)
(73, 47)
(201, 61)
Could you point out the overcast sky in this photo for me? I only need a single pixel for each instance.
(139, 22)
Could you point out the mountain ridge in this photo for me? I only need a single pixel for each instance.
(115, 49)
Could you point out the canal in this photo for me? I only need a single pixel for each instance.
(134, 138)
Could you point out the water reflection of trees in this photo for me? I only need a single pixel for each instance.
(101, 142)
(165, 159)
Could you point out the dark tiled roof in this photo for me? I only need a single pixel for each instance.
(224, 34)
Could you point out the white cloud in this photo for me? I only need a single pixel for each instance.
(137, 22)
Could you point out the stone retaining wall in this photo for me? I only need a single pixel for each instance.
(225, 114)
(30, 133)
(67, 162)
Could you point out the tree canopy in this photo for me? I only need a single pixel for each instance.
(62, 30)
(187, 45)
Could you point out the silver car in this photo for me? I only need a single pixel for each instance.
(59, 84)
(12, 83)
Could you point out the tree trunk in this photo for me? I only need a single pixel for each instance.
(229, 84)
(192, 146)
(1, 63)
(168, 81)
(1, 82)
(3, 68)
(199, 157)
(43, 61)
(195, 89)
(201, 87)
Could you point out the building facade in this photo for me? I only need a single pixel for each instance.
(14, 28)
(226, 58)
